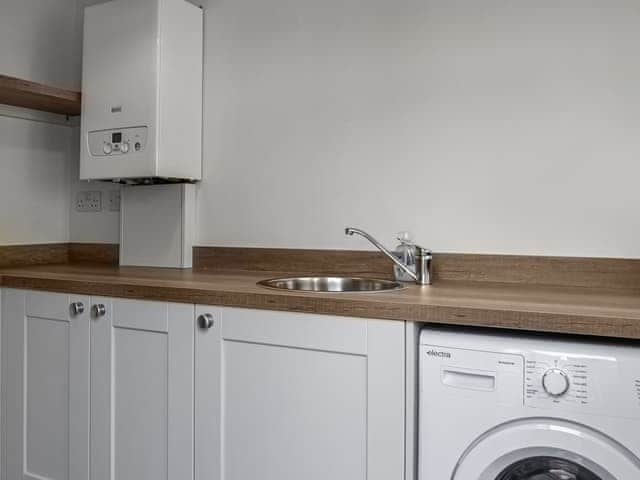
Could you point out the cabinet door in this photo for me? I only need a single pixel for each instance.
(142, 391)
(285, 396)
(45, 386)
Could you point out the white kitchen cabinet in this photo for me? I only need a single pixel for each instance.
(289, 396)
(103, 395)
(45, 386)
(142, 364)
(129, 390)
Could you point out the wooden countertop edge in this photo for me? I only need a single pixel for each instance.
(618, 326)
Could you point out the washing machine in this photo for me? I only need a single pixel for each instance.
(496, 406)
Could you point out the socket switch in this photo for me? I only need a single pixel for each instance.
(114, 200)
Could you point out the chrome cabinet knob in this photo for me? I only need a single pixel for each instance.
(77, 308)
(205, 321)
(99, 310)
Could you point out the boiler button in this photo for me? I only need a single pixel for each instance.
(137, 146)
(107, 148)
(124, 148)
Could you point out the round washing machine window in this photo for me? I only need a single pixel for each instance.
(546, 468)
(546, 449)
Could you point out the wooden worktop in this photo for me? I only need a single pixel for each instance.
(575, 310)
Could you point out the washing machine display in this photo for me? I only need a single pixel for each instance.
(512, 407)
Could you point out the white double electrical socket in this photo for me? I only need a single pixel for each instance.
(89, 201)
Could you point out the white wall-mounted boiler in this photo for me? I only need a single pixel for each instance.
(142, 91)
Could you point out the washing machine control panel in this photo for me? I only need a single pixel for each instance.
(553, 381)
(592, 384)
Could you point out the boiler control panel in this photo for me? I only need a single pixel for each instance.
(121, 141)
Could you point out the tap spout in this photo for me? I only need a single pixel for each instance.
(351, 231)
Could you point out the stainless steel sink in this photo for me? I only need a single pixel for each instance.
(332, 284)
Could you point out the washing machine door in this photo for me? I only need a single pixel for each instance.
(547, 468)
(546, 449)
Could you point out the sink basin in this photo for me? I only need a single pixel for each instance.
(332, 284)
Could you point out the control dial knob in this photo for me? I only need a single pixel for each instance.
(107, 148)
(124, 148)
(555, 382)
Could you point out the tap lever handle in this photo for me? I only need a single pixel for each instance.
(423, 251)
(405, 238)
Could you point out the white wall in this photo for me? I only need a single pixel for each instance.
(34, 182)
(42, 41)
(492, 126)
(38, 41)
